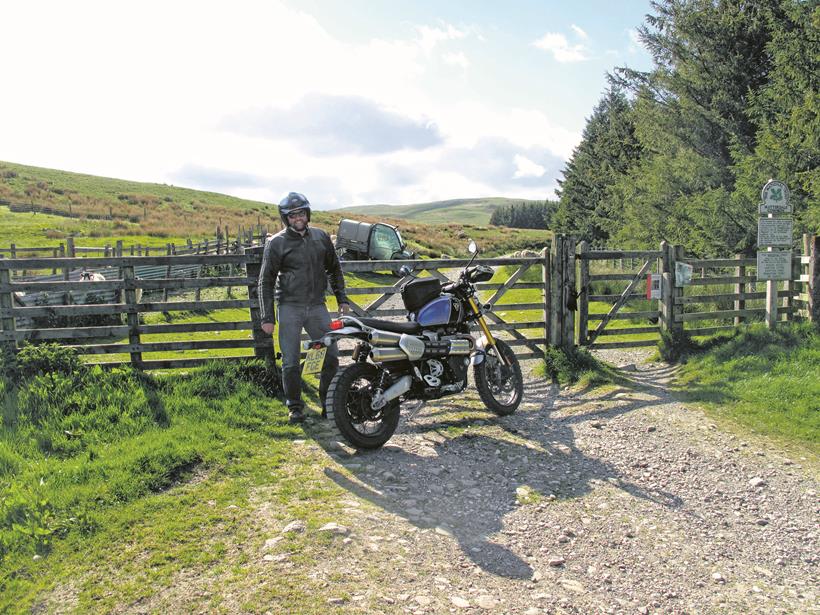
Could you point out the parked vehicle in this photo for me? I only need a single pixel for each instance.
(366, 241)
(426, 357)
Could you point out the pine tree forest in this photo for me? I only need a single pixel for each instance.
(681, 152)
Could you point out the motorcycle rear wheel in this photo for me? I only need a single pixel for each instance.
(500, 388)
(349, 397)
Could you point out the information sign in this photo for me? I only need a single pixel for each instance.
(774, 232)
(775, 197)
(683, 274)
(774, 265)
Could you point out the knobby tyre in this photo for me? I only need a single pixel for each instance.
(349, 397)
(500, 388)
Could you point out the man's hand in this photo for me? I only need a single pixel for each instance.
(267, 327)
(344, 308)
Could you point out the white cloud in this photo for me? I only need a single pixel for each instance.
(579, 32)
(557, 44)
(103, 97)
(524, 167)
(456, 58)
(430, 37)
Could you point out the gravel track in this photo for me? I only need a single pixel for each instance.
(615, 501)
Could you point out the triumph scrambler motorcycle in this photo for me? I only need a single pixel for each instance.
(426, 357)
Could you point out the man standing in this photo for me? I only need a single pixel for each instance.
(297, 264)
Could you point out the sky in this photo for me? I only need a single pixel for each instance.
(351, 102)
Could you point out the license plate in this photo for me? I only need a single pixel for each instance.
(314, 360)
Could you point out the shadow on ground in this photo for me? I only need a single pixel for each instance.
(454, 467)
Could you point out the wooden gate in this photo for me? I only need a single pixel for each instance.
(615, 302)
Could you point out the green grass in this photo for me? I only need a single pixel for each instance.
(90, 457)
(767, 381)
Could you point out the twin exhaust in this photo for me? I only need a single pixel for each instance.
(391, 346)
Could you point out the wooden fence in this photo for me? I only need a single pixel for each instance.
(721, 294)
(564, 283)
(134, 340)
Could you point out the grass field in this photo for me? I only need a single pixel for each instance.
(89, 457)
(766, 381)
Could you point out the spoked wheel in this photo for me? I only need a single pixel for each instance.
(349, 398)
(500, 386)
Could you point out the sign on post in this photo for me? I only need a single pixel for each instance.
(774, 232)
(774, 265)
(683, 274)
(775, 196)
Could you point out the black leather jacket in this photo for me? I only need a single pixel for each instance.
(300, 267)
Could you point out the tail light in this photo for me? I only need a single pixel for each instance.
(336, 324)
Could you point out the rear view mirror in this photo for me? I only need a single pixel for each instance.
(472, 248)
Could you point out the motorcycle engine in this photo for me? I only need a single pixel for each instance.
(445, 375)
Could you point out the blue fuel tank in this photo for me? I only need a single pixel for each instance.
(437, 312)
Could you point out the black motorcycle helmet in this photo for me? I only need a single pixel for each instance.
(294, 201)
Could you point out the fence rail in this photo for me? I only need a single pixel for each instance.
(725, 295)
(131, 340)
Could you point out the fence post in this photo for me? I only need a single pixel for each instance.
(67, 270)
(133, 317)
(678, 254)
(814, 280)
(545, 280)
(118, 254)
(7, 302)
(666, 286)
(771, 304)
(13, 250)
(740, 289)
(556, 282)
(569, 295)
(263, 342)
(167, 272)
(583, 295)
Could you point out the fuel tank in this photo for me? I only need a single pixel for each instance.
(439, 311)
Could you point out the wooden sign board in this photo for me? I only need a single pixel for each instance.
(774, 232)
(774, 265)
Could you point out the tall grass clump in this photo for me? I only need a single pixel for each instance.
(574, 366)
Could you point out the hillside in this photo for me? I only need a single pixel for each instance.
(472, 211)
(98, 210)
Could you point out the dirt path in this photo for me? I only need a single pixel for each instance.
(622, 501)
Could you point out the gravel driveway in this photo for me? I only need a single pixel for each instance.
(621, 501)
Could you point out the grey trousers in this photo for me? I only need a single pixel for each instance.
(315, 319)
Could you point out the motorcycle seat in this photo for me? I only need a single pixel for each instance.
(411, 328)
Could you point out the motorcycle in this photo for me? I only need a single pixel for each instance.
(424, 358)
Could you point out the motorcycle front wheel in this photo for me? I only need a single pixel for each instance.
(349, 397)
(500, 387)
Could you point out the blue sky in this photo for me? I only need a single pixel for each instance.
(354, 102)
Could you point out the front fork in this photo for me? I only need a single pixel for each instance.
(486, 330)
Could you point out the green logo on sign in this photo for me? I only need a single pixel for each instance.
(776, 194)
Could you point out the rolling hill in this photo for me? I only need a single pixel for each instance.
(472, 211)
(98, 210)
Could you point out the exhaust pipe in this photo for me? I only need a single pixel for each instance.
(400, 387)
(384, 338)
(460, 346)
(387, 354)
